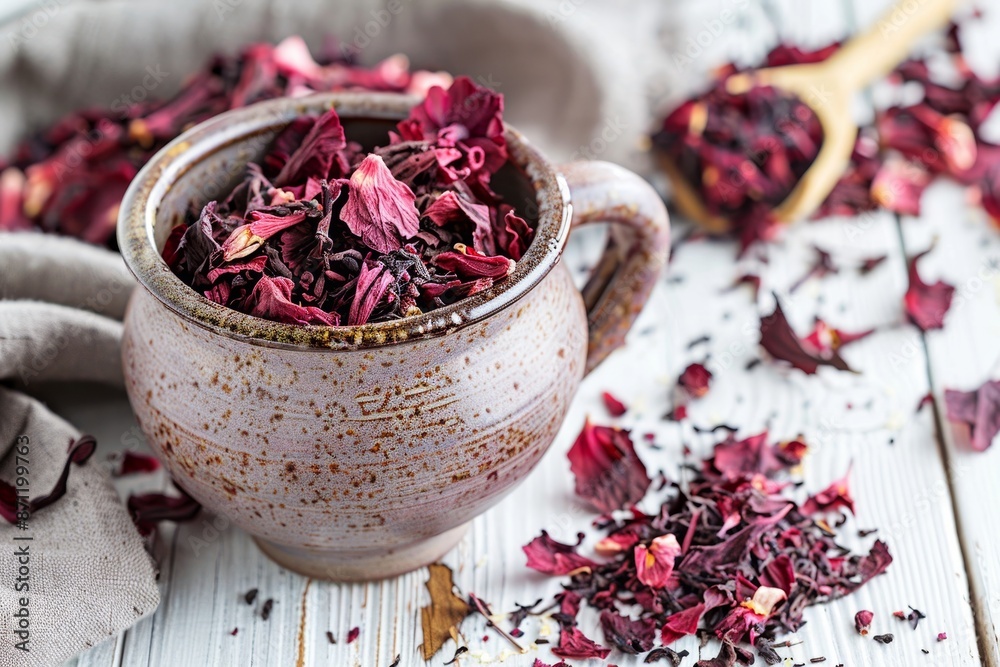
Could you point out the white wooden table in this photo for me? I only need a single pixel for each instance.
(934, 502)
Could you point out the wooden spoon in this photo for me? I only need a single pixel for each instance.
(828, 88)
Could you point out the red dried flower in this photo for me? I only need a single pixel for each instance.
(898, 185)
(352, 634)
(926, 305)
(609, 474)
(681, 624)
(373, 283)
(380, 210)
(614, 407)
(781, 342)
(695, 380)
(135, 462)
(149, 509)
(319, 152)
(832, 498)
(271, 299)
(824, 340)
(551, 557)
(468, 263)
(863, 622)
(654, 564)
(574, 644)
(13, 509)
(979, 410)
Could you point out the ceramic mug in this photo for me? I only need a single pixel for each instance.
(357, 453)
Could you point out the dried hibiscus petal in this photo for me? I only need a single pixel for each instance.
(574, 644)
(627, 635)
(271, 299)
(380, 210)
(468, 263)
(614, 407)
(135, 462)
(149, 509)
(695, 380)
(655, 563)
(979, 410)
(863, 621)
(926, 305)
(832, 498)
(551, 557)
(79, 452)
(681, 624)
(781, 342)
(609, 474)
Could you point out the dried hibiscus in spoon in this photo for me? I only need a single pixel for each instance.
(742, 153)
(323, 233)
(729, 551)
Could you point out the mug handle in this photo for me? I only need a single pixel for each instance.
(637, 249)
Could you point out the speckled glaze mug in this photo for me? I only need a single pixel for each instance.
(356, 453)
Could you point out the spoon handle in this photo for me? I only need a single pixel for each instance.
(876, 52)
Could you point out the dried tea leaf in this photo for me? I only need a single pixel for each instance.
(445, 612)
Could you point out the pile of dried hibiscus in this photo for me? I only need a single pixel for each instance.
(729, 552)
(70, 178)
(744, 153)
(322, 232)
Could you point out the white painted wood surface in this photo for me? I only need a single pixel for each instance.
(907, 482)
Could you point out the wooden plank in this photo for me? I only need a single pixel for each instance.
(962, 356)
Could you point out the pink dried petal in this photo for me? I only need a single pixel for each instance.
(608, 472)
(832, 498)
(519, 234)
(271, 299)
(614, 407)
(467, 263)
(655, 564)
(12, 217)
(379, 209)
(261, 225)
(824, 340)
(548, 556)
(979, 410)
(255, 265)
(898, 185)
(373, 283)
(863, 621)
(926, 305)
(353, 634)
(681, 623)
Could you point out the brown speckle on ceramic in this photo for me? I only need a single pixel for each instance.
(356, 453)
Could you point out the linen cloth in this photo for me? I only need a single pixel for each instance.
(88, 574)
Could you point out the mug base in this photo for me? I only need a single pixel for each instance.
(335, 565)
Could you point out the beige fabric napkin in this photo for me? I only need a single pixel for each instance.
(87, 573)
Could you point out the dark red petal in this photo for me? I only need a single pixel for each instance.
(627, 635)
(608, 472)
(695, 380)
(681, 623)
(135, 462)
(574, 644)
(777, 337)
(614, 407)
(926, 305)
(317, 154)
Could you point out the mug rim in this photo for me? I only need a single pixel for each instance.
(137, 218)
